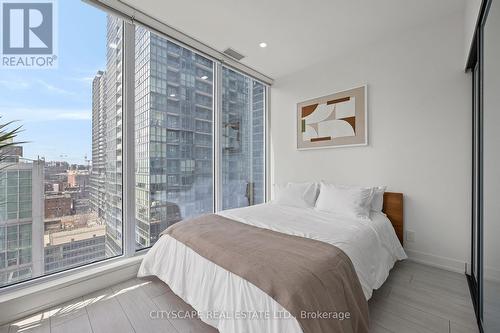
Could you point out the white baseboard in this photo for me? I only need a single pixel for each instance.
(36, 297)
(445, 263)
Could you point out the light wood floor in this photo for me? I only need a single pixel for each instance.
(415, 298)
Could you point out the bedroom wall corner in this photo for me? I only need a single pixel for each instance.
(419, 122)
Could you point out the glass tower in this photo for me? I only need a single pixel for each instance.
(174, 137)
(174, 120)
(242, 140)
(98, 173)
(21, 220)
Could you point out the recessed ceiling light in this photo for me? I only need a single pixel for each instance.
(172, 95)
(204, 77)
(263, 44)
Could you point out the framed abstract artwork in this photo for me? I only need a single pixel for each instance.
(336, 120)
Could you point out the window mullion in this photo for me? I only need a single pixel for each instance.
(216, 137)
(129, 140)
(267, 151)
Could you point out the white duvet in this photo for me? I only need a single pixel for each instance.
(232, 304)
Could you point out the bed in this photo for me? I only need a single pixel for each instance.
(218, 294)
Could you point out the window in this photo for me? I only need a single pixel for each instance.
(60, 192)
(178, 162)
(242, 140)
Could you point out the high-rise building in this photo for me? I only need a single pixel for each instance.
(21, 220)
(174, 126)
(174, 120)
(98, 173)
(242, 140)
(106, 174)
(113, 137)
(258, 135)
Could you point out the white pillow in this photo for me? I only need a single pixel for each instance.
(354, 202)
(378, 198)
(296, 194)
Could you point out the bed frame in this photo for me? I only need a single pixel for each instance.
(393, 208)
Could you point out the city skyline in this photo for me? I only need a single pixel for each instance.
(54, 106)
(46, 224)
(77, 201)
(174, 120)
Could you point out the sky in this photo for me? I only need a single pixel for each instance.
(54, 106)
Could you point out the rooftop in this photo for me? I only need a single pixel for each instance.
(63, 237)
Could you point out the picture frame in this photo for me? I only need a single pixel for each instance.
(333, 121)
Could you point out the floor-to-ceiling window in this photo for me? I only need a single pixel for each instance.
(61, 176)
(242, 139)
(117, 106)
(175, 124)
(174, 133)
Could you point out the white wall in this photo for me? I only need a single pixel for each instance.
(419, 108)
(471, 15)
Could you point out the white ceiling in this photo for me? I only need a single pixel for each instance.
(298, 32)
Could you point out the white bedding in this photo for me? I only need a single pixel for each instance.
(223, 298)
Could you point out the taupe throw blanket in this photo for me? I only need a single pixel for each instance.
(307, 277)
